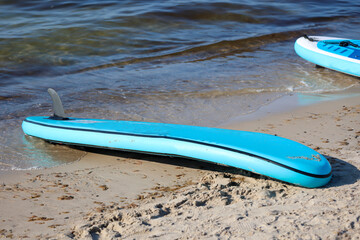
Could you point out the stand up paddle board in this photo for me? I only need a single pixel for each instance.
(338, 54)
(265, 154)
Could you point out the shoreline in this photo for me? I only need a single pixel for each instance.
(112, 194)
(290, 103)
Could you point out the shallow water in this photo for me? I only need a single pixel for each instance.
(193, 62)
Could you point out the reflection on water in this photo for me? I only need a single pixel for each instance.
(32, 153)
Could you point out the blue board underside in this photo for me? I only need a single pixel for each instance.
(264, 154)
(332, 56)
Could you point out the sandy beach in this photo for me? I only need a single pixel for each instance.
(115, 195)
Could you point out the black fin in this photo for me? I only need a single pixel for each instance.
(58, 108)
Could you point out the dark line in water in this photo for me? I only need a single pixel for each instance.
(211, 51)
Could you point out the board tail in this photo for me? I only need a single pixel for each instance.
(59, 113)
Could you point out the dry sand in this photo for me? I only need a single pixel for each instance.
(112, 195)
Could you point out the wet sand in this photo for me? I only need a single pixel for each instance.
(108, 195)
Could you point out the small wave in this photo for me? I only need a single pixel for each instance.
(329, 89)
(56, 5)
(6, 164)
(205, 15)
(204, 94)
(12, 167)
(24, 169)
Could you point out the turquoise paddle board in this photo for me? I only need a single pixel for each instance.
(338, 54)
(264, 154)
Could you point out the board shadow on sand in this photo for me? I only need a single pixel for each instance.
(344, 173)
